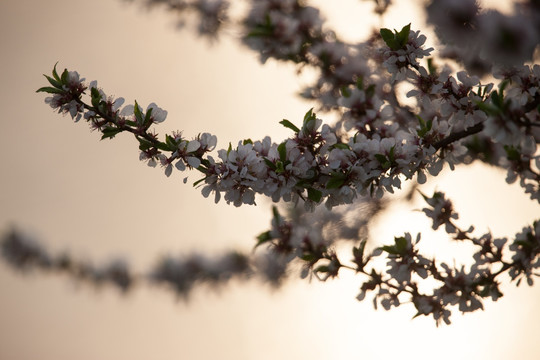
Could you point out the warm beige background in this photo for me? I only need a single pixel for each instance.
(68, 189)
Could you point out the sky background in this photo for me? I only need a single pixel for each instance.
(64, 187)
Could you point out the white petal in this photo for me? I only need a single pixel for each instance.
(127, 110)
(168, 170)
(180, 165)
(193, 161)
(193, 145)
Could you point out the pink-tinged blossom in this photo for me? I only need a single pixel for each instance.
(158, 114)
(440, 211)
(400, 62)
(507, 40)
(69, 100)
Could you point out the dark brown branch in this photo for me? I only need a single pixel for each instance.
(458, 135)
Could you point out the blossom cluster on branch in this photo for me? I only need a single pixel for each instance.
(404, 279)
(180, 274)
(385, 136)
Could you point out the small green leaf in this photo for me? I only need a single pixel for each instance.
(390, 249)
(335, 182)
(263, 238)
(138, 114)
(345, 91)
(289, 125)
(309, 116)
(402, 37)
(53, 82)
(55, 74)
(110, 132)
(512, 153)
(169, 140)
(148, 116)
(282, 151)
(64, 77)
(431, 67)
(247, 141)
(162, 146)
(401, 245)
(370, 91)
(144, 144)
(388, 37)
(391, 154)
(381, 158)
(96, 97)
(341, 146)
(360, 83)
(50, 90)
(314, 194)
(280, 167)
(322, 269)
(199, 181)
(276, 214)
(270, 164)
(311, 258)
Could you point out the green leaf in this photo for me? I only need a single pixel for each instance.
(263, 238)
(199, 181)
(280, 167)
(391, 154)
(169, 140)
(360, 83)
(309, 116)
(162, 146)
(358, 254)
(270, 164)
(401, 245)
(55, 74)
(247, 141)
(138, 114)
(389, 38)
(64, 77)
(276, 214)
(370, 91)
(512, 153)
(345, 91)
(50, 90)
(53, 82)
(431, 67)
(335, 182)
(289, 125)
(314, 194)
(96, 97)
(229, 149)
(110, 132)
(390, 249)
(322, 268)
(282, 151)
(341, 146)
(148, 116)
(402, 37)
(311, 258)
(144, 144)
(381, 158)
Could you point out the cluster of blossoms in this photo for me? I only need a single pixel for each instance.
(379, 142)
(459, 286)
(211, 14)
(27, 255)
(180, 274)
(482, 39)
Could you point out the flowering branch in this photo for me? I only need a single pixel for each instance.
(180, 274)
(408, 270)
(376, 144)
